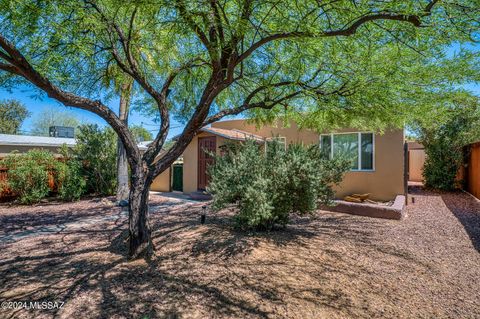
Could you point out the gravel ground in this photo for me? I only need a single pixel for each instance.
(330, 265)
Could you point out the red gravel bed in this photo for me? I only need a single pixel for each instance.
(330, 265)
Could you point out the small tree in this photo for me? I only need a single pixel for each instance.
(12, 115)
(140, 133)
(444, 144)
(96, 149)
(268, 188)
(28, 174)
(49, 117)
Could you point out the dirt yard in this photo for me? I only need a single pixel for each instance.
(330, 265)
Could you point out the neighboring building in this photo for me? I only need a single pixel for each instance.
(24, 143)
(61, 131)
(378, 159)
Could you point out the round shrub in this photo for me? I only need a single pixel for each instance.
(268, 185)
(29, 174)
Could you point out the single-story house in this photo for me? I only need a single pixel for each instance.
(377, 159)
(24, 143)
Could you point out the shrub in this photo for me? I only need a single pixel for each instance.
(71, 183)
(96, 149)
(444, 146)
(28, 174)
(268, 188)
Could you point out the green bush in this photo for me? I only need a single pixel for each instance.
(71, 183)
(28, 174)
(268, 188)
(96, 149)
(444, 146)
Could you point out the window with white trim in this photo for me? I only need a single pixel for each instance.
(358, 147)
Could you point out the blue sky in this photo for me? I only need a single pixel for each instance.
(35, 104)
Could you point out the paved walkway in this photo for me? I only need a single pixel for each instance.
(118, 215)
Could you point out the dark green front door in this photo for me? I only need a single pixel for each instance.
(177, 183)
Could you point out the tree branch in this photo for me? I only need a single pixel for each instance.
(180, 5)
(348, 31)
(27, 71)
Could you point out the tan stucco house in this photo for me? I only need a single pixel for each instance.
(377, 159)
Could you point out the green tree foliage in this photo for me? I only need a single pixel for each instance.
(269, 187)
(445, 142)
(12, 115)
(140, 133)
(50, 117)
(28, 174)
(96, 148)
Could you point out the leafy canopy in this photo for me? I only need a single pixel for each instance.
(12, 115)
(332, 63)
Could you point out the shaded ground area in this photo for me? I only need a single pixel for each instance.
(330, 265)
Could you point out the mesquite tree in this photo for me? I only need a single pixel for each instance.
(204, 60)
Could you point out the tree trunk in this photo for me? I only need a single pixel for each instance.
(140, 240)
(122, 162)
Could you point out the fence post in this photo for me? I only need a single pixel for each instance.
(405, 171)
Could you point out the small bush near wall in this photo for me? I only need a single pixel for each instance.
(28, 174)
(268, 186)
(96, 149)
(444, 145)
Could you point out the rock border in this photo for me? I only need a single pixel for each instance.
(395, 211)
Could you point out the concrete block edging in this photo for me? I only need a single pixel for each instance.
(395, 211)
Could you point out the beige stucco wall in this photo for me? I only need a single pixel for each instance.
(190, 165)
(6, 149)
(384, 183)
(162, 182)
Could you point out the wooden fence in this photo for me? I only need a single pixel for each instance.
(416, 160)
(473, 170)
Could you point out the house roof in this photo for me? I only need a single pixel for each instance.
(46, 141)
(27, 140)
(232, 134)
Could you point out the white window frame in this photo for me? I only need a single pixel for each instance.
(359, 138)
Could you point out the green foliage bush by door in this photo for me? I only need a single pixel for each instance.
(268, 185)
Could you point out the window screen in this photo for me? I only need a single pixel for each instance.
(367, 151)
(346, 145)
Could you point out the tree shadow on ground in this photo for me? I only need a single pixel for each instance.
(209, 270)
(467, 210)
